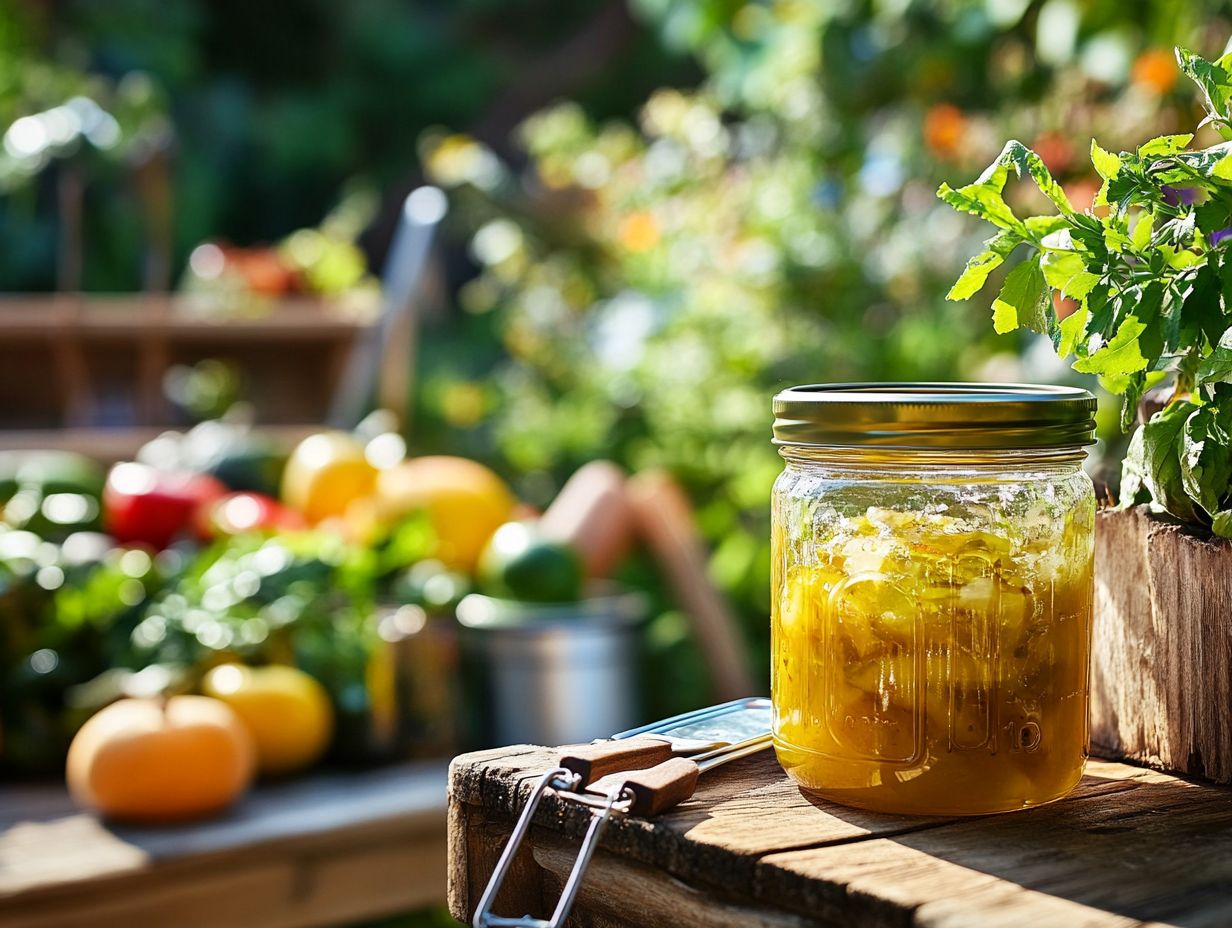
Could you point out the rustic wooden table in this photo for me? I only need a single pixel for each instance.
(326, 850)
(1129, 847)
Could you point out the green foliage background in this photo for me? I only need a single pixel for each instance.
(635, 270)
(272, 106)
(656, 280)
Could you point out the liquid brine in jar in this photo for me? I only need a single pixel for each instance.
(932, 589)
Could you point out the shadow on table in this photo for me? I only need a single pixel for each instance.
(1151, 851)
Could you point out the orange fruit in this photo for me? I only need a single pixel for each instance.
(287, 712)
(141, 760)
(465, 502)
(325, 474)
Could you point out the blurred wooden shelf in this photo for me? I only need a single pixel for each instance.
(330, 849)
(82, 361)
(145, 316)
(110, 445)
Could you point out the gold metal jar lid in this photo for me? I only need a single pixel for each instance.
(961, 416)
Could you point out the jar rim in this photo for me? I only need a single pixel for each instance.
(933, 415)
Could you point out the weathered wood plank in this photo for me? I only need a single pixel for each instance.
(1161, 849)
(318, 851)
(269, 891)
(629, 895)
(476, 841)
(748, 810)
(210, 899)
(1161, 685)
(740, 816)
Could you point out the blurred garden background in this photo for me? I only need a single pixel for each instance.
(660, 212)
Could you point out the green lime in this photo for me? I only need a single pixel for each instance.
(518, 563)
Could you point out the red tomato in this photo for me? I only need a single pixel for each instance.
(143, 505)
(240, 513)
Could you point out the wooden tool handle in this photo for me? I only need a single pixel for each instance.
(592, 761)
(656, 789)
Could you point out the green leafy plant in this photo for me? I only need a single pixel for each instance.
(1144, 280)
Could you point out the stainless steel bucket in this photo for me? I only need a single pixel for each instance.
(549, 673)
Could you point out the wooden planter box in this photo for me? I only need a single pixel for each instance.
(1161, 684)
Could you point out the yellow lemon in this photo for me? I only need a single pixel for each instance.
(287, 711)
(465, 501)
(325, 474)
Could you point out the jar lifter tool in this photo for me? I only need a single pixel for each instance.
(643, 771)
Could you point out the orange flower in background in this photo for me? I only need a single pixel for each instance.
(639, 231)
(945, 129)
(1155, 70)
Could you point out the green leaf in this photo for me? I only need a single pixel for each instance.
(1212, 163)
(996, 250)
(1165, 145)
(1065, 270)
(1221, 523)
(1216, 367)
(1212, 79)
(1179, 259)
(1132, 391)
(1122, 355)
(1106, 164)
(1161, 446)
(1140, 237)
(1040, 226)
(1121, 190)
(1147, 310)
(1115, 238)
(1133, 473)
(1071, 330)
(1103, 313)
(984, 198)
(1023, 160)
(1206, 457)
(1022, 300)
(1203, 306)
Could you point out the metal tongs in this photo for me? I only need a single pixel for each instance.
(643, 771)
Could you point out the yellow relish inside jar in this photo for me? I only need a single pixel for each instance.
(932, 587)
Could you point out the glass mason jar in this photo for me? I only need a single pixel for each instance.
(932, 588)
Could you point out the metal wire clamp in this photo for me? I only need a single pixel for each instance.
(566, 783)
(699, 736)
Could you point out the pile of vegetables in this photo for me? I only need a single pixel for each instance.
(213, 550)
(1138, 289)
